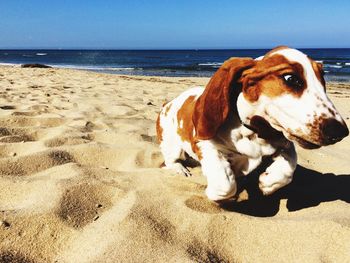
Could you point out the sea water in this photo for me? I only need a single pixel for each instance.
(197, 63)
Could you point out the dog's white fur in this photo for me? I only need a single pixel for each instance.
(237, 151)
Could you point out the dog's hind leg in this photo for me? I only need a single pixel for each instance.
(220, 177)
(172, 153)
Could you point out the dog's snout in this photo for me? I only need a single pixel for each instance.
(333, 130)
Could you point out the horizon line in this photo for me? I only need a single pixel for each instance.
(154, 49)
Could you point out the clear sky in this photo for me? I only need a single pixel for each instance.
(152, 24)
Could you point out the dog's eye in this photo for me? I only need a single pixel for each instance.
(293, 81)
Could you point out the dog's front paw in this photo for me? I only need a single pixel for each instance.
(179, 169)
(271, 182)
(265, 186)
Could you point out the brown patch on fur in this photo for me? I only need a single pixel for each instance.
(159, 130)
(167, 108)
(266, 77)
(275, 49)
(315, 134)
(298, 136)
(184, 115)
(212, 107)
(314, 138)
(318, 69)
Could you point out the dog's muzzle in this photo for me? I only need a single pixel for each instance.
(333, 131)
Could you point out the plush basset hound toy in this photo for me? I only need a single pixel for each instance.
(250, 109)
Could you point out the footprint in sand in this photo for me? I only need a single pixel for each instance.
(16, 257)
(33, 163)
(24, 113)
(84, 203)
(157, 225)
(117, 157)
(148, 138)
(13, 135)
(60, 141)
(91, 240)
(183, 184)
(21, 121)
(7, 107)
(200, 253)
(41, 108)
(202, 204)
(27, 134)
(40, 192)
(19, 149)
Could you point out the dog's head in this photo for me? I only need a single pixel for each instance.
(285, 87)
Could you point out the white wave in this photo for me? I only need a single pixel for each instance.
(9, 64)
(338, 63)
(347, 64)
(210, 64)
(319, 61)
(91, 67)
(41, 54)
(118, 69)
(334, 66)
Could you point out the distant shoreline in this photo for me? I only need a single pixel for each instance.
(127, 73)
(163, 49)
(170, 63)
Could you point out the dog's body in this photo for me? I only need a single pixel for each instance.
(250, 109)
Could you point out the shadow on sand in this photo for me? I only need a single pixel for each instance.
(309, 188)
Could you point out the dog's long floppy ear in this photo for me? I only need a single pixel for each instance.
(213, 106)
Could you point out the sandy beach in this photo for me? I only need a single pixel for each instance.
(80, 181)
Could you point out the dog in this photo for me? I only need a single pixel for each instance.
(250, 108)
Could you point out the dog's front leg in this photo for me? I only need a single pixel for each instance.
(280, 172)
(220, 178)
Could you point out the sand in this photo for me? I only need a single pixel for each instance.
(80, 182)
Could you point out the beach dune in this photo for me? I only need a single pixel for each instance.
(81, 181)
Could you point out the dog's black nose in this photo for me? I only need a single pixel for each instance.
(333, 131)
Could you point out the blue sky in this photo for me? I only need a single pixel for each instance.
(152, 24)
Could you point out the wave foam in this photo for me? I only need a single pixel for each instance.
(210, 64)
(333, 66)
(92, 67)
(9, 64)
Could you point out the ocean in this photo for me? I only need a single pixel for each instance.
(197, 63)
